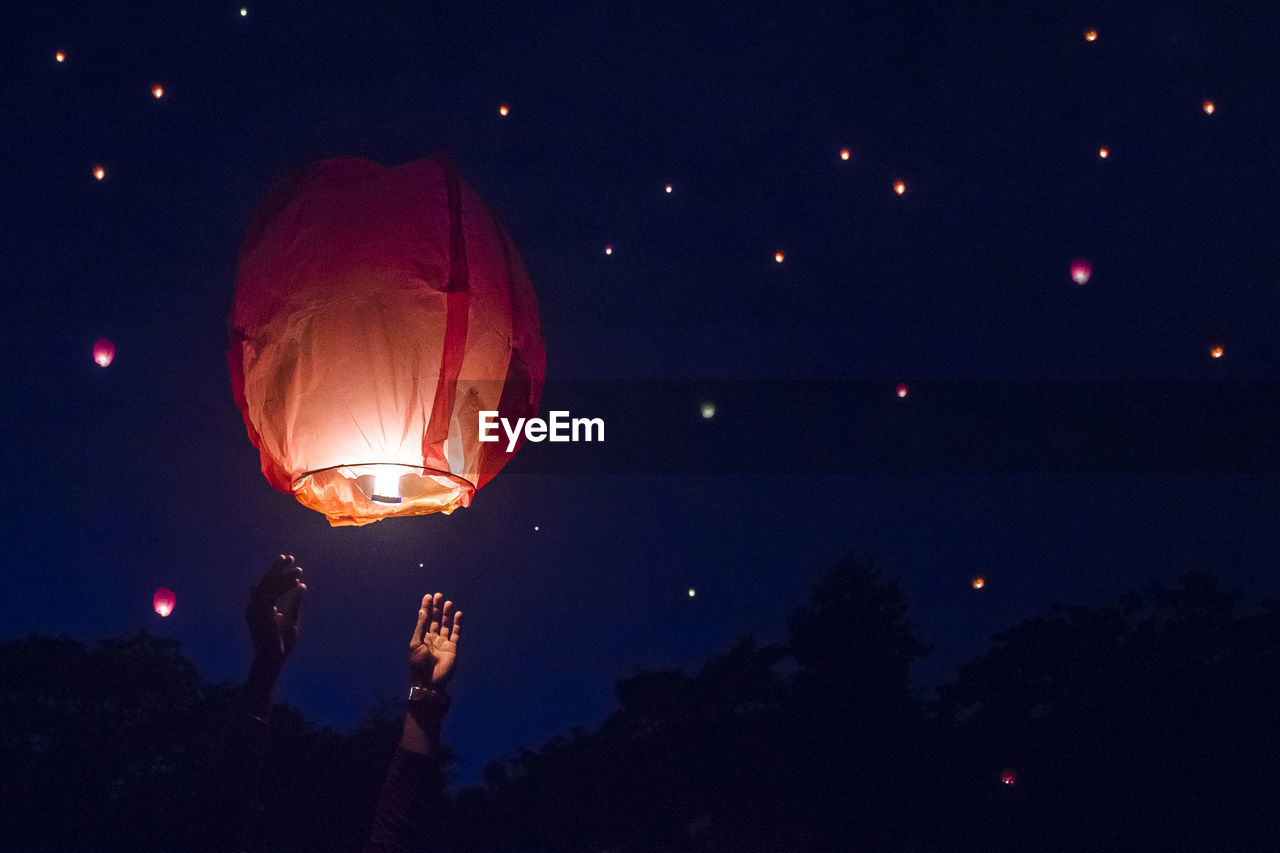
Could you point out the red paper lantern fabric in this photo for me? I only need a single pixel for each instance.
(163, 601)
(103, 352)
(377, 312)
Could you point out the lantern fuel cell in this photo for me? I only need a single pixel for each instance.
(559, 427)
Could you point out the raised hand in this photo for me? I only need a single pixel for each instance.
(433, 648)
(275, 603)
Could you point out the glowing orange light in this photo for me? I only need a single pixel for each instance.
(1215, 352)
(157, 91)
(503, 110)
(163, 601)
(902, 390)
(1208, 107)
(608, 250)
(103, 352)
(979, 582)
(899, 187)
(779, 257)
(1009, 776)
(1104, 153)
(99, 172)
(1090, 35)
(60, 57)
(668, 187)
(844, 153)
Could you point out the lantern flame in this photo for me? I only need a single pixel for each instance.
(844, 153)
(902, 390)
(99, 172)
(1103, 153)
(1090, 35)
(979, 582)
(60, 56)
(1215, 352)
(386, 484)
(157, 91)
(503, 110)
(899, 187)
(1208, 107)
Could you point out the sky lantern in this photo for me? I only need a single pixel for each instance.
(99, 173)
(1208, 108)
(103, 352)
(1081, 270)
(503, 110)
(707, 410)
(901, 390)
(844, 153)
(1008, 776)
(243, 11)
(899, 187)
(1104, 152)
(1090, 35)
(669, 187)
(163, 601)
(377, 313)
(59, 57)
(692, 592)
(608, 250)
(979, 582)
(1215, 351)
(778, 257)
(157, 91)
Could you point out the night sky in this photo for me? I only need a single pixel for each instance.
(574, 566)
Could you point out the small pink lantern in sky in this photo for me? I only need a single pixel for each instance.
(1008, 776)
(1081, 270)
(902, 390)
(163, 601)
(103, 352)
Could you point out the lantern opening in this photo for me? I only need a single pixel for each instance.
(386, 485)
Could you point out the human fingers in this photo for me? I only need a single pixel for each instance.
(457, 626)
(293, 605)
(423, 610)
(446, 620)
(434, 627)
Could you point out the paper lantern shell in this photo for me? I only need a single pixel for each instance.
(377, 312)
(163, 601)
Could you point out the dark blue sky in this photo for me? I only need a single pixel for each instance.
(139, 475)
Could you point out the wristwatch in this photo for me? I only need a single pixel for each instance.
(427, 696)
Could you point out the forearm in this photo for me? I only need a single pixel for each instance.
(421, 732)
(260, 686)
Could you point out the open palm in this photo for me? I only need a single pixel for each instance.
(433, 648)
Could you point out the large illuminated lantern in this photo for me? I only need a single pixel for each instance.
(377, 311)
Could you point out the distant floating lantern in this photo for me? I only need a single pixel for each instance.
(1215, 352)
(1090, 35)
(778, 257)
(103, 352)
(608, 250)
(1081, 270)
(381, 316)
(668, 187)
(692, 592)
(163, 601)
(503, 110)
(99, 172)
(899, 187)
(59, 57)
(1104, 153)
(1208, 107)
(902, 390)
(708, 410)
(157, 91)
(844, 153)
(1008, 776)
(243, 11)
(979, 582)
